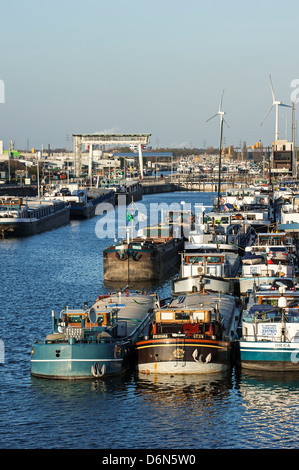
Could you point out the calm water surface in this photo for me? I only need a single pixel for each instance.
(235, 410)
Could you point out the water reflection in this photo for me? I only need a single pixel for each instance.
(158, 387)
(74, 390)
(270, 378)
(269, 408)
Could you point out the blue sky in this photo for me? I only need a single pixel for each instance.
(156, 67)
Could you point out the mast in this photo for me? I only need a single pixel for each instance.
(219, 170)
(220, 113)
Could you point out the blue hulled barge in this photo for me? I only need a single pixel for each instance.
(94, 342)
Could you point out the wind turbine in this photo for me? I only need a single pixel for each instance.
(276, 104)
(222, 120)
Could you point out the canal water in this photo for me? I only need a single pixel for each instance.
(235, 410)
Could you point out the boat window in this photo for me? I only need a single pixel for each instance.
(198, 316)
(166, 315)
(293, 315)
(269, 301)
(182, 315)
(273, 301)
(74, 318)
(274, 240)
(202, 259)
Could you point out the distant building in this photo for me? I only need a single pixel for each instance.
(3, 171)
(282, 157)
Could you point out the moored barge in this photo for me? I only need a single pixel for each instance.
(20, 218)
(150, 258)
(193, 334)
(83, 202)
(270, 331)
(93, 342)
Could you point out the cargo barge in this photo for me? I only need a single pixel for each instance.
(153, 258)
(20, 218)
(193, 334)
(83, 202)
(94, 342)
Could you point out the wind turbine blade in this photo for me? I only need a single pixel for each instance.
(212, 117)
(285, 105)
(267, 113)
(220, 105)
(226, 123)
(273, 96)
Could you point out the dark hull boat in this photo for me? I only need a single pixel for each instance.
(132, 191)
(86, 209)
(152, 257)
(20, 218)
(83, 202)
(152, 260)
(194, 334)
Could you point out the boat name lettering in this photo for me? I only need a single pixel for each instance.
(269, 330)
(282, 345)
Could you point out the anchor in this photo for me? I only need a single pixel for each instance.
(200, 359)
(96, 372)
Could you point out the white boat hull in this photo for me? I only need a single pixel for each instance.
(193, 284)
(174, 367)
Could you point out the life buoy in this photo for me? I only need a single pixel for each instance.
(262, 200)
(190, 219)
(168, 219)
(222, 201)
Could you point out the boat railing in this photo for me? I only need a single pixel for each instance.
(139, 330)
(272, 317)
(262, 318)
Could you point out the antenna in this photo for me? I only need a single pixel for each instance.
(222, 120)
(276, 104)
